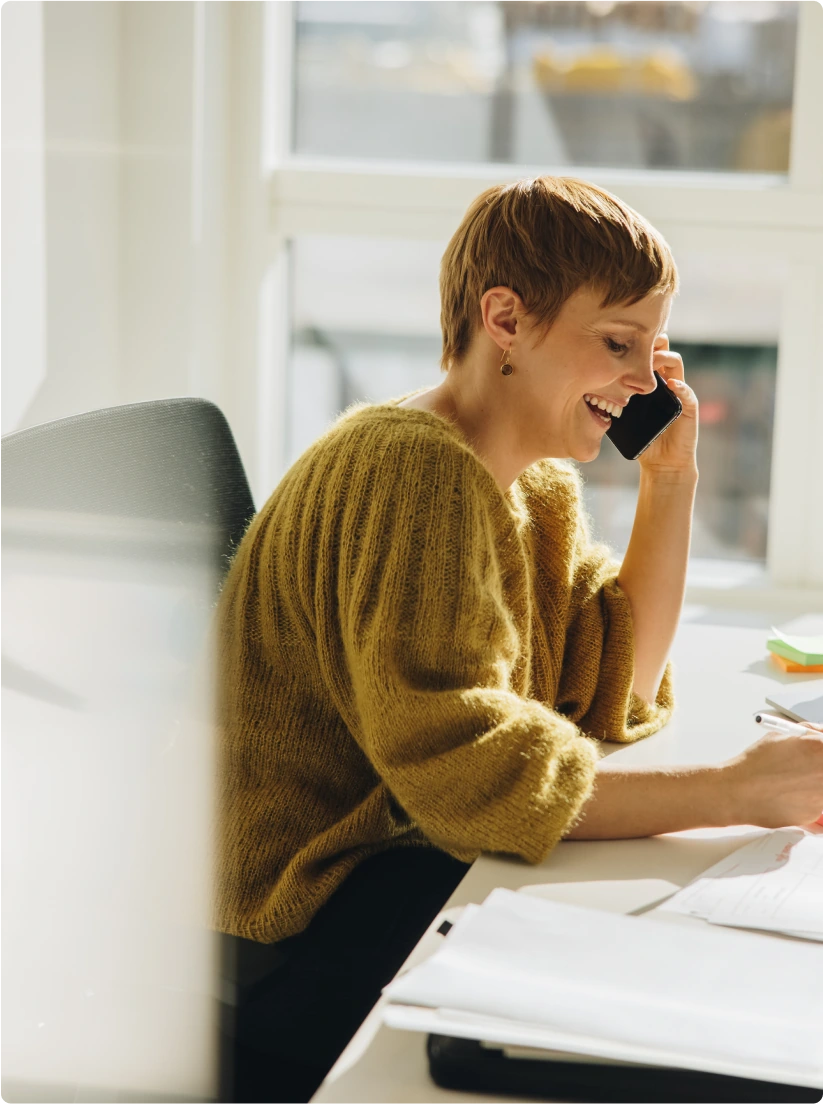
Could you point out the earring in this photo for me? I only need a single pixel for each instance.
(505, 367)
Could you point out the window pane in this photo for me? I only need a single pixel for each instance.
(365, 322)
(679, 85)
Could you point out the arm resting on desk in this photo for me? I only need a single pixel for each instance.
(775, 783)
(631, 802)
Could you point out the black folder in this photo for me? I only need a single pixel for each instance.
(468, 1066)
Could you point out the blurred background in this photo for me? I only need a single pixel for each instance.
(138, 141)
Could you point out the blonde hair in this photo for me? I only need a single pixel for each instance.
(545, 239)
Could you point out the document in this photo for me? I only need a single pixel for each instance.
(522, 971)
(774, 884)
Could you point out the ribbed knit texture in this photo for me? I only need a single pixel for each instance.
(410, 657)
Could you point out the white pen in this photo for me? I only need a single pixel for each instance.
(780, 724)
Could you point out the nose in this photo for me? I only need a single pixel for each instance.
(640, 377)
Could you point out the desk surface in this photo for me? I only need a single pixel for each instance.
(722, 675)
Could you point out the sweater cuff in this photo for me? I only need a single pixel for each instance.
(621, 715)
(557, 806)
(644, 718)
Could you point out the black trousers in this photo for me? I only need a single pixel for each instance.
(298, 1002)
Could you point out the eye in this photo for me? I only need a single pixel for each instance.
(615, 346)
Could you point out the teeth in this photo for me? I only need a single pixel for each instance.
(603, 404)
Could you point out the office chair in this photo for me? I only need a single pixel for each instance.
(172, 461)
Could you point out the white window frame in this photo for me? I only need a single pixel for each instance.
(778, 216)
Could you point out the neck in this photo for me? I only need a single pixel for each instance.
(477, 398)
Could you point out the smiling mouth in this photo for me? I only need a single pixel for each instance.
(605, 409)
(602, 420)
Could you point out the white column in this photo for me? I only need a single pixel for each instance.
(156, 258)
(258, 278)
(24, 210)
(174, 172)
(795, 552)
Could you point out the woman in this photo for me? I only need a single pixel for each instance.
(421, 648)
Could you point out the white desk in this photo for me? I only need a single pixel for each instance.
(721, 677)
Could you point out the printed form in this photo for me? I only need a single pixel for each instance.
(774, 884)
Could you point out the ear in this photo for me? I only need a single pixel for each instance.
(501, 309)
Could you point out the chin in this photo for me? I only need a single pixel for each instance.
(584, 454)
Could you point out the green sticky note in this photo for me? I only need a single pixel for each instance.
(807, 650)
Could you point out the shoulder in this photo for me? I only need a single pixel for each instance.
(552, 482)
(400, 464)
(398, 445)
(553, 492)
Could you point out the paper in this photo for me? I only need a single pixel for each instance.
(774, 883)
(528, 972)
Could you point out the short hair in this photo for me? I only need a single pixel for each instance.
(545, 239)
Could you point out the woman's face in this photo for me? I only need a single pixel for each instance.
(590, 355)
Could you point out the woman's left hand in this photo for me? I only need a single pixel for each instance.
(675, 450)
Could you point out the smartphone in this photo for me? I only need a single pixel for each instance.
(643, 419)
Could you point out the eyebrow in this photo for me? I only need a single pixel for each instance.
(625, 322)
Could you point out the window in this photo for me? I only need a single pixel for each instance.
(632, 85)
(378, 156)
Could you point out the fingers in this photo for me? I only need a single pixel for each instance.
(670, 367)
(669, 364)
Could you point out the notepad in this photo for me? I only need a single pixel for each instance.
(774, 883)
(522, 971)
(793, 668)
(803, 702)
(803, 649)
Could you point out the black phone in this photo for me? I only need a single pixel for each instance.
(643, 419)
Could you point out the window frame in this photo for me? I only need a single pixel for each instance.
(775, 215)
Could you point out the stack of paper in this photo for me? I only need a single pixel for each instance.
(774, 883)
(523, 971)
(796, 653)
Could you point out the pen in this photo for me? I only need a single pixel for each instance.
(780, 724)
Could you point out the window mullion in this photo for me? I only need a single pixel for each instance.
(796, 507)
(278, 85)
(806, 169)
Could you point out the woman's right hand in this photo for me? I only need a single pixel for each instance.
(778, 782)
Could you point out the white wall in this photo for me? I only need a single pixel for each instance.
(173, 61)
(82, 169)
(127, 218)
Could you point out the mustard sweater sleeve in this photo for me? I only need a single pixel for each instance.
(595, 684)
(434, 625)
(601, 638)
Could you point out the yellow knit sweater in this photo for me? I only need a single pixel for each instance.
(410, 657)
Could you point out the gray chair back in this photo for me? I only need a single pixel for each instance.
(173, 462)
